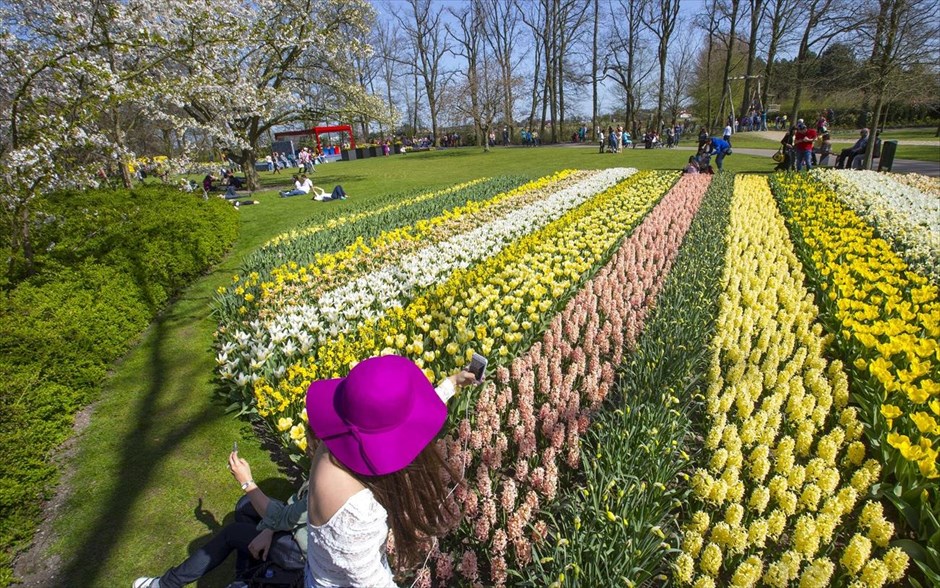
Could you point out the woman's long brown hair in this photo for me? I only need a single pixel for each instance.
(416, 501)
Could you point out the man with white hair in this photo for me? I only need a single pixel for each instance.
(846, 156)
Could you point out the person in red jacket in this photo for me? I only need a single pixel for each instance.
(803, 142)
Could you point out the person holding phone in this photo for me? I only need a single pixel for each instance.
(278, 535)
(376, 469)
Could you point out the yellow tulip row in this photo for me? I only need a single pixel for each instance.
(330, 269)
(891, 312)
(785, 461)
(494, 308)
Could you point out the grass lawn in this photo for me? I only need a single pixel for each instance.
(916, 133)
(151, 479)
(919, 152)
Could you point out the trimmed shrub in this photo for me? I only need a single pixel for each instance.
(107, 262)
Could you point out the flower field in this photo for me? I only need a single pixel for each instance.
(695, 380)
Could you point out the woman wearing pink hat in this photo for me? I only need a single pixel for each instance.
(375, 469)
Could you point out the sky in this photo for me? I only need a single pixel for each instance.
(607, 97)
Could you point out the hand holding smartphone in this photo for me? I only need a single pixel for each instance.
(477, 366)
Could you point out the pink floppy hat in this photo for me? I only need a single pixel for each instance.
(378, 418)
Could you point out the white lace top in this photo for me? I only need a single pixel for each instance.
(349, 550)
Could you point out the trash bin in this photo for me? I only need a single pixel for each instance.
(888, 151)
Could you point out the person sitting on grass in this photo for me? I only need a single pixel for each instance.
(377, 469)
(265, 530)
(233, 181)
(230, 193)
(302, 185)
(692, 167)
(320, 196)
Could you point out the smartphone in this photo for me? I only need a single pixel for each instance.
(477, 366)
(235, 447)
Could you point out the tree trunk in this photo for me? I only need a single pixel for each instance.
(247, 162)
(797, 97)
(414, 124)
(802, 57)
(756, 7)
(545, 98)
(535, 86)
(661, 95)
(594, 71)
(776, 24)
(551, 59)
(561, 92)
(873, 136)
(126, 179)
(725, 85)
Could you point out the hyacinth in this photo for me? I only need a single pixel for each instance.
(856, 554)
(546, 410)
(778, 453)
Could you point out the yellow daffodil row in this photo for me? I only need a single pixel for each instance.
(288, 282)
(246, 288)
(890, 312)
(495, 307)
(356, 216)
(785, 462)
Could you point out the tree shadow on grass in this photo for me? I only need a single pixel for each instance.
(148, 442)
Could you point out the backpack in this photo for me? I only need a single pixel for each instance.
(271, 575)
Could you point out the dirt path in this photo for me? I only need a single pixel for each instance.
(37, 567)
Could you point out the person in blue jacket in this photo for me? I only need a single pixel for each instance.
(719, 148)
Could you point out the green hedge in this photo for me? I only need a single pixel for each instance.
(107, 262)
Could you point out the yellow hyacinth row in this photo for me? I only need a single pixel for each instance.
(492, 307)
(891, 312)
(785, 464)
(328, 270)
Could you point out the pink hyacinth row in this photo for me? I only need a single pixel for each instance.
(526, 424)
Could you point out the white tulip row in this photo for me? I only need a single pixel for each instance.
(298, 328)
